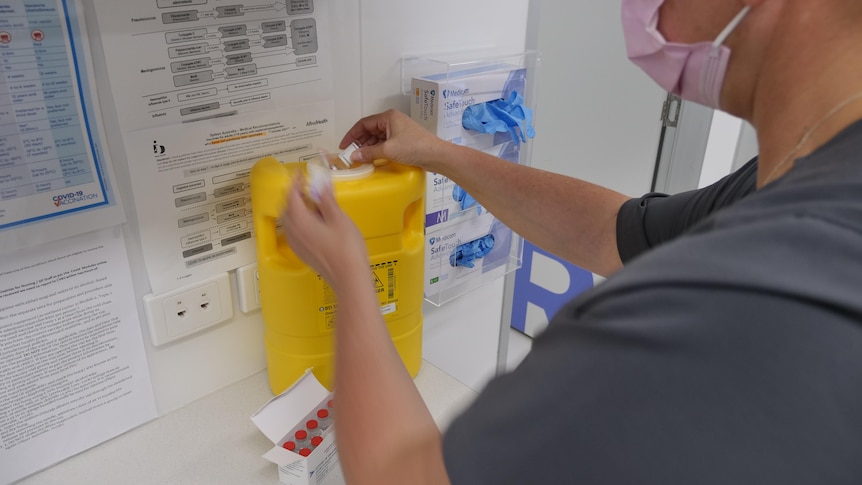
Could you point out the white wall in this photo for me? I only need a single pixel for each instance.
(581, 117)
(597, 119)
(598, 115)
(720, 148)
(185, 370)
(460, 337)
(747, 147)
(392, 29)
(367, 80)
(732, 143)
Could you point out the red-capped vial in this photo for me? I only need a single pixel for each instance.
(313, 428)
(305, 451)
(316, 441)
(330, 404)
(289, 446)
(301, 439)
(324, 419)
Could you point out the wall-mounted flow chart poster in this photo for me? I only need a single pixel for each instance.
(48, 154)
(197, 218)
(179, 61)
(202, 90)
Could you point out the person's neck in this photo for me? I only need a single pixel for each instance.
(803, 101)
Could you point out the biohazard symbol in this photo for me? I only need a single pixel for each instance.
(377, 283)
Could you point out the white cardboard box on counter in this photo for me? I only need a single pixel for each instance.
(285, 412)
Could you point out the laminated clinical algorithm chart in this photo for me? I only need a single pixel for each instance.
(203, 89)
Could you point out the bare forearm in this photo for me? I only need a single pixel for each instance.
(571, 218)
(384, 430)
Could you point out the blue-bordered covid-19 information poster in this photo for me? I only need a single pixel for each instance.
(49, 164)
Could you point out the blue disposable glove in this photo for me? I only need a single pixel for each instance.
(464, 199)
(465, 254)
(501, 115)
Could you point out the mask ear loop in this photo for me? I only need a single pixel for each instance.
(713, 61)
(729, 29)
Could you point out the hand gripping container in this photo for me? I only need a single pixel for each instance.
(387, 204)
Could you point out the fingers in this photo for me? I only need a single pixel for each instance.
(295, 212)
(329, 209)
(368, 153)
(370, 127)
(299, 216)
(379, 138)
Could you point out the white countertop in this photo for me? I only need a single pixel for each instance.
(214, 441)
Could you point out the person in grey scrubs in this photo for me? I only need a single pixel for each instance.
(728, 349)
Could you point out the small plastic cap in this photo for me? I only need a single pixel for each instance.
(316, 441)
(356, 172)
(305, 451)
(301, 435)
(289, 445)
(331, 403)
(322, 414)
(311, 424)
(344, 157)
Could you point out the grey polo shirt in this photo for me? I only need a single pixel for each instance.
(729, 353)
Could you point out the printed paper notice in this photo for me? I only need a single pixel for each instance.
(73, 372)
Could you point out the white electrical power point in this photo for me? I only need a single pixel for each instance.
(248, 288)
(189, 309)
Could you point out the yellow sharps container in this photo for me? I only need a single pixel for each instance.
(387, 204)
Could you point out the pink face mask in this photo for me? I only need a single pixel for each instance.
(694, 72)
